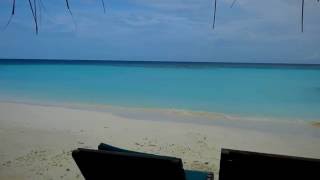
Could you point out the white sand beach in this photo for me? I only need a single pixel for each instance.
(36, 141)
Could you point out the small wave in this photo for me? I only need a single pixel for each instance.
(168, 112)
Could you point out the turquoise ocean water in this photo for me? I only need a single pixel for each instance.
(254, 90)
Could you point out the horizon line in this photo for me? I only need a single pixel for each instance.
(99, 61)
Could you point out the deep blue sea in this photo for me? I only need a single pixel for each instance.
(254, 90)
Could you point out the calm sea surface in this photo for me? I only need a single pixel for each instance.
(276, 91)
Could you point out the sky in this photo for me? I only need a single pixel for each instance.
(164, 30)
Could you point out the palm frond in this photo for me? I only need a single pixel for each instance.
(34, 15)
(12, 14)
(37, 5)
(69, 9)
(302, 15)
(103, 6)
(234, 1)
(214, 14)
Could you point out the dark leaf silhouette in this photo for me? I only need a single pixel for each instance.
(12, 14)
(34, 15)
(234, 1)
(302, 15)
(38, 4)
(68, 7)
(214, 14)
(103, 5)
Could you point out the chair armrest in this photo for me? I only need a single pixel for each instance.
(198, 175)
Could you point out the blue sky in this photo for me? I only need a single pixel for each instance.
(168, 30)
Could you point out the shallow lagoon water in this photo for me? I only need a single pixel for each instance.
(290, 92)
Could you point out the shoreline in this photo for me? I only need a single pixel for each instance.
(37, 140)
(170, 111)
(316, 124)
(266, 124)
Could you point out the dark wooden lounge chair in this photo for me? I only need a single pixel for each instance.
(236, 165)
(112, 163)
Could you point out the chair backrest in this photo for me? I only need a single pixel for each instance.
(97, 164)
(107, 147)
(236, 164)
